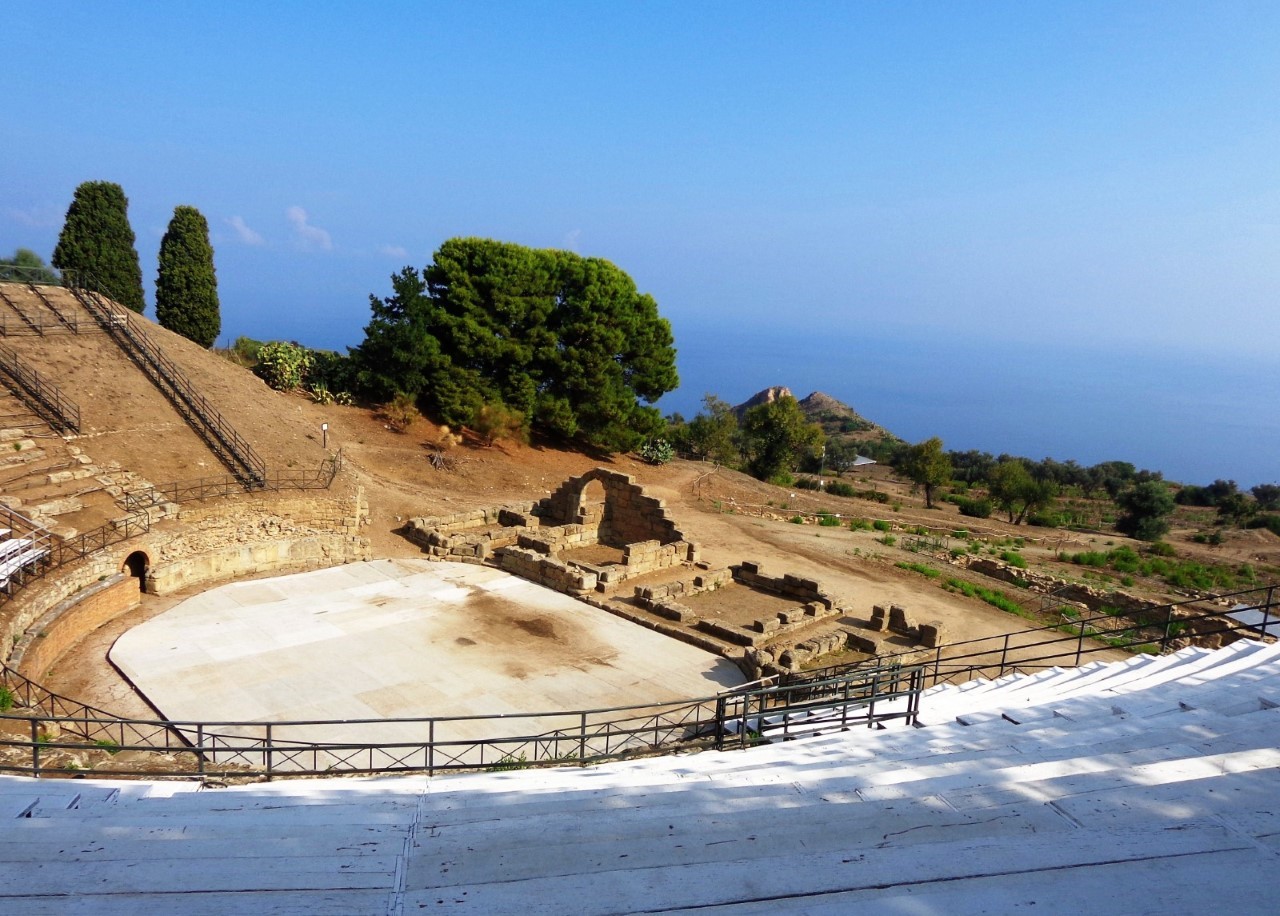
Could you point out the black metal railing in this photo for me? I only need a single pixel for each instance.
(55, 551)
(38, 393)
(67, 320)
(230, 447)
(1079, 636)
(31, 280)
(839, 702)
(201, 488)
(438, 744)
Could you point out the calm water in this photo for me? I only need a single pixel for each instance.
(1194, 418)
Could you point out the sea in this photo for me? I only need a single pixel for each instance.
(1194, 417)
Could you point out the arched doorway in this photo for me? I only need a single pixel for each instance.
(591, 504)
(136, 564)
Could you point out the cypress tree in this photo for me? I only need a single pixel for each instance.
(97, 241)
(186, 286)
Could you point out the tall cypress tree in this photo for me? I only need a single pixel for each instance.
(97, 241)
(186, 286)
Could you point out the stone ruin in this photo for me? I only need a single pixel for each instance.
(603, 508)
(598, 508)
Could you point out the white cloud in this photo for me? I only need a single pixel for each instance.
(572, 238)
(309, 236)
(36, 217)
(394, 251)
(244, 233)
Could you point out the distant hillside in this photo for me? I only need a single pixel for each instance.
(846, 429)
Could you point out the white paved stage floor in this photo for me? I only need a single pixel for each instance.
(402, 638)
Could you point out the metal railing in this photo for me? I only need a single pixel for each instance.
(57, 551)
(858, 696)
(200, 488)
(39, 394)
(1079, 636)
(202, 416)
(32, 279)
(435, 744)
(842, 701)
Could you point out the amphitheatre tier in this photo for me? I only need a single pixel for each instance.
(402, 639)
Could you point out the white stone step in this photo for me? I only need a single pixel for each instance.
(292, 902)
(644, 887)
(1151, 886)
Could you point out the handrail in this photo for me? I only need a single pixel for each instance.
(229, 445)
(830, 700)
(69, 320)
(200, 488)
(42, 396)
(1152, 630)
(582, 736)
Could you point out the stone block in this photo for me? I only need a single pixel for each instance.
(898, 621)
(932, 634)
(879, 619)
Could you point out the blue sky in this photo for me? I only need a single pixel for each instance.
(1099, 177)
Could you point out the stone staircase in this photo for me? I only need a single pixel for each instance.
(50, 479)
(1149, 786)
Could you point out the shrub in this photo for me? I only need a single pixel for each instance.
(859, 524)
(400, 412)
(797, 519)
(887, 540)
(1014, 559)
(839, 488)
(1270, 522)
(657, 451)
(974, 508)
(7, 699)
(881, 525)
(782, 479)
(826, 520)
(497, 421)
(321, 395)
(808, 483)
(1161, 549)
(283, 366)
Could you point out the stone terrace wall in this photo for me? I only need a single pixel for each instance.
(70, 620)
(628, 516)
(222, 542)
(456, 536)
(204, 546)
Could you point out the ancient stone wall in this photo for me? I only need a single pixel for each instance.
(547, 571)
(69, 621)
(628, 514)
(205, 545)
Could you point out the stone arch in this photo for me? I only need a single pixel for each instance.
(592, 504)
(628, 514)
(137, 565)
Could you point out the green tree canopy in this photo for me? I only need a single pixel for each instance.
(566, 341)
(777, 436)
(1145, 509)
(928, 465)
(26, 267)
(97, 242)
(1014, 490)
(713, 434)
(186, 285)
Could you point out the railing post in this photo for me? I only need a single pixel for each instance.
(35, 747)
(431, 747)
(1266, 610)
(720, 711)
(1080, 641)
(200, 748)
(582, 739)
(268, 751)
(1168, 630)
